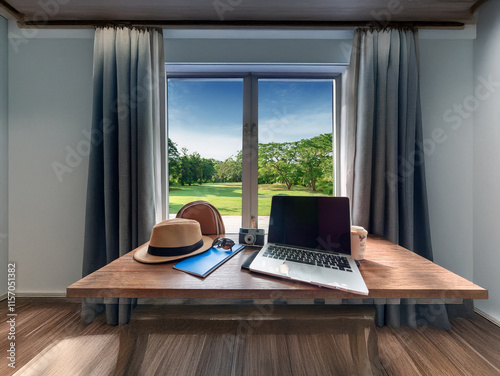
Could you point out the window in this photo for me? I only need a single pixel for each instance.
(238, 138)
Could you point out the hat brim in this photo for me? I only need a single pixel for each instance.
(143, 256)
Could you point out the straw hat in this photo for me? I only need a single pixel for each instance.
(173, 239)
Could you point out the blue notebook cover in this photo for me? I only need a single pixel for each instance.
(205, 263)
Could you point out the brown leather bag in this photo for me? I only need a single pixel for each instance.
(204, 212)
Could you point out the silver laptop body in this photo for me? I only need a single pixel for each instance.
(309, 240)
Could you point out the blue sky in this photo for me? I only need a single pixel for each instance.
(206, 115)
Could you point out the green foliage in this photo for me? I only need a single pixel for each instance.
(173, 161)
(303, 162)
(230, 170)
(279, 160)
(208, 169)
(188, 168)
(315, 159)
(307, 163)
(325, 187)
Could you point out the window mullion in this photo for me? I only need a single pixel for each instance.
(254, 182)
(250, 185)
(246, 153)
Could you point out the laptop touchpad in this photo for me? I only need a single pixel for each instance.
(299, 272)
(284, 269)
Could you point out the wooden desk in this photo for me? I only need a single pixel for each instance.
(389, 271)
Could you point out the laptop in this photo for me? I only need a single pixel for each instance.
(309, 240)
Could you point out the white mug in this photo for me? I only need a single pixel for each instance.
(358, 242)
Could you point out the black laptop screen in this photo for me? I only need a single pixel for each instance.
(311, 222)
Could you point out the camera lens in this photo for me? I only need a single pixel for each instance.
(249, 238)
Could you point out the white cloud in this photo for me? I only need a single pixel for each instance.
(294, 127)
(208, 144)
(221, 142)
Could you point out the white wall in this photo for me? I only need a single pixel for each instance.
(446, 80)
(50, 103)
(487, 157)
(4, 250)
(257, 51)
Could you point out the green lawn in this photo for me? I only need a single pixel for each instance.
(226, 197)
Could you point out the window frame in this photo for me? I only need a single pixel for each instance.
(251, 73)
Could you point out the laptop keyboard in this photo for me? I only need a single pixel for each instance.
(325, 260)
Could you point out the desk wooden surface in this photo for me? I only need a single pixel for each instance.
(389, 271)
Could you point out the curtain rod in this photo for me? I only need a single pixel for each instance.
(9, 8)
(201, 24)
(23, 22)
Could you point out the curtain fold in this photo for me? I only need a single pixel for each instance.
(385, 164)
(385, 172)
(124, 182)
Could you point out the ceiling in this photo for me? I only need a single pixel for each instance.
(243, 13)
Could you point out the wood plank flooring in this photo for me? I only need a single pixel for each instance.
(50, 337)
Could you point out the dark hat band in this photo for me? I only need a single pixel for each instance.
(174, 251)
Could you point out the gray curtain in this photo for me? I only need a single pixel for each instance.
(385, 173)
(125, 165)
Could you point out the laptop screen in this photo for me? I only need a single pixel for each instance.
(311, 222)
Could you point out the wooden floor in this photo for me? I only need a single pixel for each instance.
(50, 337)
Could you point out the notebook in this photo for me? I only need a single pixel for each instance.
(309, 240)
(205, 263)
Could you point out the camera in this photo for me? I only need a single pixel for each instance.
(252, 236)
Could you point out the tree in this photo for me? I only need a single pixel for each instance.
(188, 168)
(208, 169)
(173, 161)
(280, 159)
(186, 175)
(314, 156)
(305, 162)
(230, 170)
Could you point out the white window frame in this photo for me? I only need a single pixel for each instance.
(251, 73)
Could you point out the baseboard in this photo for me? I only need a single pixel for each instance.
(36, 295)
(487, 317)
(40, 294)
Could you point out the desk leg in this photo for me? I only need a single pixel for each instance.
(364, 349)
(380, 315)
(91, 309)
(128, 342)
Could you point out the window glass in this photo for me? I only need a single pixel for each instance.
(205, 128)
(295, 140)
